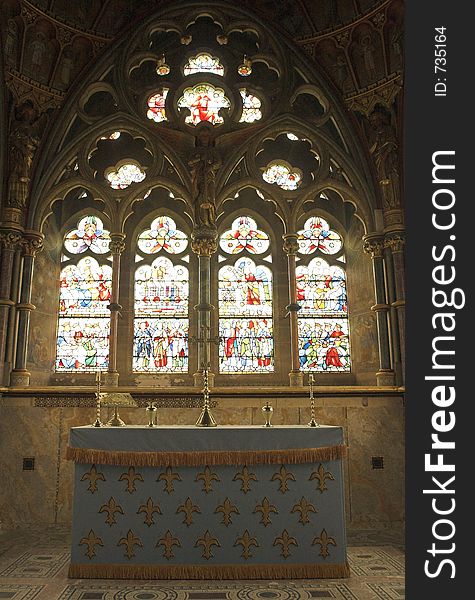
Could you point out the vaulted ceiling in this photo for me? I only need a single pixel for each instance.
(47, 44)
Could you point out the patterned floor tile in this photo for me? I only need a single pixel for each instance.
(38, 564)
(375, 562)
(14, 591)
(388, 591)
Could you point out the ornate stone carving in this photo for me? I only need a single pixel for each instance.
(385, 151)
(395, 242)
(23, 141)
(373, 247)
(117, 243)
(203, 245)
(32, 244)
(291, 245)
(9, 239)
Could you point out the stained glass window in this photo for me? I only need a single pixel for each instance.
(125, 175)
(245, 302)
(204, 102)
(283, 175)
(85, 293)
(161, 301)
(156, 106)
(317, 235)
(89, 235)
(162, 234)
(251, 108)
(324, 339)
(204, 63)
(244, 235)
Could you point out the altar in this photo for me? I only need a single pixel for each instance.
(204, 503)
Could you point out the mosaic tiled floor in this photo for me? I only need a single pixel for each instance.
(34, 564)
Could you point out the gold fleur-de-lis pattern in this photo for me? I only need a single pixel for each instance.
(256, 514)
(129, 542)
(266, 508)
(321, 476)
(227, 508)
(188, 508)
(131, 477)
(283, 477)
(149, 509)
(111, 508)
(245, 476)
(93, 476)
(169, 477)
(304, 507)
(207, 477)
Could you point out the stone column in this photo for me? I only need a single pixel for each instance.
(291, 248)
(9, 240)
(392, 314)
(32, 243)
(395, 241)
(15, 297)
(373, 245)
(204, 245)
(117, 246)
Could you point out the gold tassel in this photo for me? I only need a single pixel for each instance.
(304, 571)
(196, 459)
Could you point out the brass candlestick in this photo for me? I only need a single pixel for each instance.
(312, 422)
(98, 422)
(206, 418)
(267, 411)
(152, 414)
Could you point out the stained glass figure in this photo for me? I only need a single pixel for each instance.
(245, 310)
(83, 329)
(161, 302)
(283, 175)
(204, 102)
(125, 175)
(89, 235)
(203, 63)
(251, 108)
(244, 235)
(162, 234)
(323, 317)
(156, 106)
(317, 235)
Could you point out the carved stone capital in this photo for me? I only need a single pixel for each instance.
(32, 243)
(10, 240)
(291, 245)
(373, 246)
(117, 243)
(395, 242)
(204, 241)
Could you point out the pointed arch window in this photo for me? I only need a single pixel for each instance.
(85, 291)
(245, 300)
(161, 299)
(324, 337)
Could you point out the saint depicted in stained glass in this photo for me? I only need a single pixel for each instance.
(161, 345)
(323, 316)
(244, 235)
(83, 329)
(283, 175)
(324, 344)
(156, 106)
(203, 63)
(162, 234)
(89, 235)
(204, 102)
(245, 309)
(125, 175)
(251, 108)
(161, 302)
(317, 235)
(161, 289)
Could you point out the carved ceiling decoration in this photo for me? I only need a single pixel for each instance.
(47, 44)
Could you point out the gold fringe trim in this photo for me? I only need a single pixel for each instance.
(305, 571)
(196, 459)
